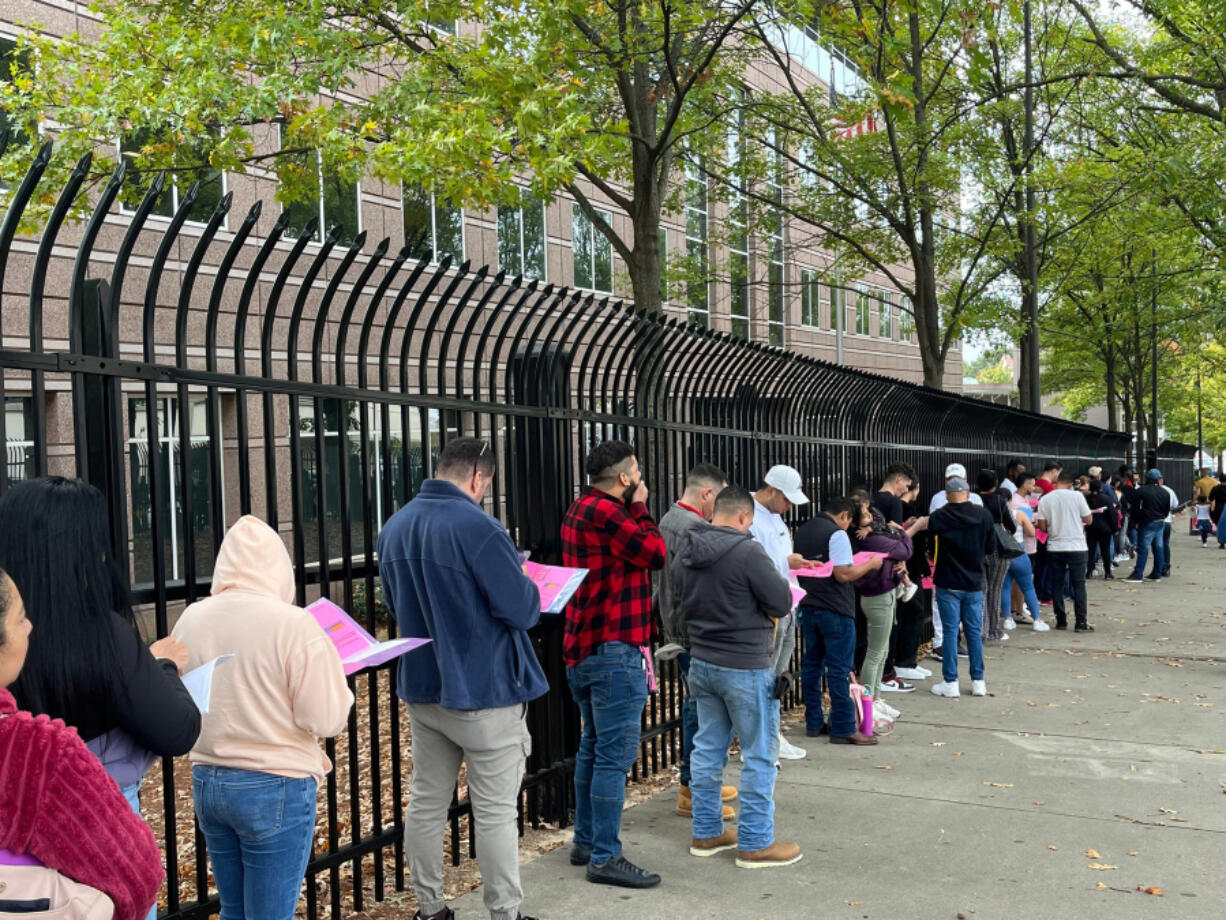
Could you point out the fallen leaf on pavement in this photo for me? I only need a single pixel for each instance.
(1168, 811)
(1000, 785)
(1133, 853)
(1050, 847)
(1040, 803)
(1100, 866)
(1153, 891)
(1091, 854)
(853, 903)
(883, 767)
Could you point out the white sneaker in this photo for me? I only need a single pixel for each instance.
(947, 689)
(979, 688)
(789, 751)
(1003, 637)
(908, 591)
(1040, 626)
(885, 709)
(1010, 624)
(913, 673)
(923, 671)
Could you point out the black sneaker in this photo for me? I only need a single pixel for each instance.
(623, 873)
(580, 855)
(1083, 627)
(818, 732)
(447, 914)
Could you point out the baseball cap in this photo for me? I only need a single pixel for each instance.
(956, 469)
(1095, 472)
(787, 481)
(1153, 475)
(956, 484)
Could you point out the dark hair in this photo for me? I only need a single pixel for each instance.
(466, 457)
(705, 474)
(1013, 464)
(1221, 477)
(860, 494)
(899, 468)
(733, 499)
(842, 504)
(1051, 465)
(605, 456)
(985, 480)
(55, 545)
(1065, 477)
(1021, 478)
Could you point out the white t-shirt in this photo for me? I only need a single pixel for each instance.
(1202, 513)
(1065, 511)
(941, 499)
(1174, 501)
(770, 530)
(1008, 485)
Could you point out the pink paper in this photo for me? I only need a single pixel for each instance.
(927, 583)
(863, 557)
(358, 648)
(825, 570)
(1041, 536)
(798, 594)
(556, 584)
(648, 659)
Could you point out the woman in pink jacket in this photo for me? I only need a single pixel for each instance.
(257, 763)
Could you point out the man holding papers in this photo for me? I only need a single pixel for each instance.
(451, 572)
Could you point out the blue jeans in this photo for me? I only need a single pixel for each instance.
(1166, 549)
(1019, 571)
(132, 794)
(1221, 530)
(731, 700)
(1150, 535)
(610, 687)
(965, 607)
(689, 717)
(830, 648)
(259, 829)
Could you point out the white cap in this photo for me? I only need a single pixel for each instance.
(955, 469)
(787, 481)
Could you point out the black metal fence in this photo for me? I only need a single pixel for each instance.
(198, 376)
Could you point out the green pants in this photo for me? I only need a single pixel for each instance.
(879, 613)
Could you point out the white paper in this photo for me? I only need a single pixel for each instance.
(199, 682)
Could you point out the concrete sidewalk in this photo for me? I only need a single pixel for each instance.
(1109, 742)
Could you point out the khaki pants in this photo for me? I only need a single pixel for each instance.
(494, 743)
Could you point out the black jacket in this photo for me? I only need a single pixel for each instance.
(1149, 503)
(963, 536)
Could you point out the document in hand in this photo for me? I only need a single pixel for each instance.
(825, 570)
(861, 558)
(358, 648)
(798, 593)
(556, 584)
(199, 682)
(1041, 536)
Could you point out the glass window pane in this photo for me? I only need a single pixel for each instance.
(602, 258)
(12, 64)
(509, 255)
(302, 212)
(664, 264)
(534, 236)
(449, 232)
(209, 195)
(341, 207)
(581, 247)
(138, 180)
(416, 212)
(739, 277)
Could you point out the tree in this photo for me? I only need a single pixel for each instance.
(547, 93)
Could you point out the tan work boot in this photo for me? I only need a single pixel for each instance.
(712, 845)
(777, 854)
(685, 803)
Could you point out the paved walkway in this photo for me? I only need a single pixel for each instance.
(1111, 742)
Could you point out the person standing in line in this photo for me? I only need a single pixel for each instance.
(702, 484)
(911, 603)
(939, 500)
(781, 491)
(1013, 469)
(963, 537)
(1047, 479)
(608, 530)
(1204, 523)
(828, 618)
(1102, 526)
(450, 573)
(1063, 514)
(1205, 484)
(257, 763)
(878, 592)
(1148, 507)
(1217, 505)
(996, 566)
(1020, 567)
(1168, 523)
(734, 598)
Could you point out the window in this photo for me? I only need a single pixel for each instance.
(212, 183)
(18, 438)
(838, 305)
(431, 227)
(336, 202)
(592, 252)
(697, 292)
(738, 234)
(663, 265)
(862, 318)
(775, 314)
(885, 320)
(810, 305)
(12, 64)
(168, 504)
(906, 323)
(521, 237)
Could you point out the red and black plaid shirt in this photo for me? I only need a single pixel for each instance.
(618, 545)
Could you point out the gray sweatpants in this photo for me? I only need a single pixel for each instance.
(785, 644)
(494, 743)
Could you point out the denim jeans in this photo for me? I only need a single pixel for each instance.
(259, 828)
(1166, 549)
(689, 717)
(610, 687)
(830, 647)
(132, 794)
(1073, 566)
(1221, 530)
(965, 607)
(731, 700)
(1150, 535)
(1019, 571)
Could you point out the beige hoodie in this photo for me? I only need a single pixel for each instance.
(285, 687)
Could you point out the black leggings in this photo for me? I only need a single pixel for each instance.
(1099, 544)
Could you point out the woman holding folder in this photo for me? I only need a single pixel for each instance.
(258, 763)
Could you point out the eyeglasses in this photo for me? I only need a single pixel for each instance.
(485, 447)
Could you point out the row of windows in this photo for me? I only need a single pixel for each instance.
(889, 318)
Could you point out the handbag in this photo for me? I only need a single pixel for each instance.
(35, 891)
(1007, 546)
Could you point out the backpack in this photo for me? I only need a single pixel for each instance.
(32, 892)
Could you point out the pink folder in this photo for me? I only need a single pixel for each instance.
(556, 584)
(358, 648)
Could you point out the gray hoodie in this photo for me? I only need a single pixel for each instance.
(731, 593)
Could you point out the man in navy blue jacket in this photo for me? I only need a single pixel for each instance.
(451, 572)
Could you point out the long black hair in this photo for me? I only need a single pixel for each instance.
(55, 545)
